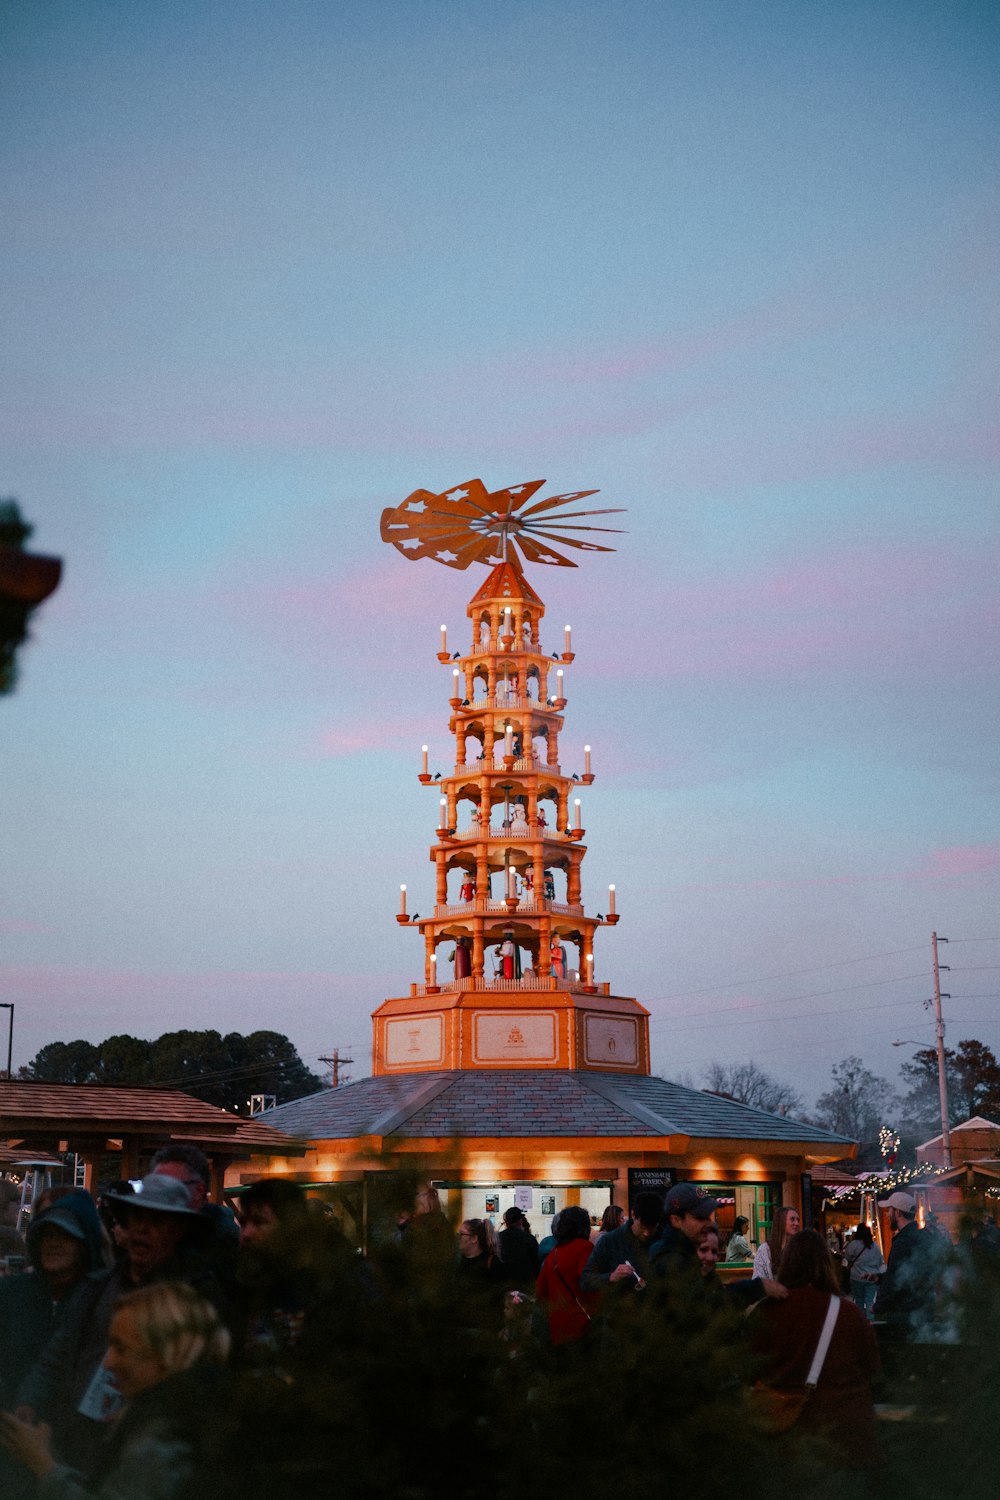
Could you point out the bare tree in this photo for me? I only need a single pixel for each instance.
(858, 1103)
(749, 1084)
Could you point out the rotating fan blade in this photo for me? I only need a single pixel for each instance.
(569, 541)
(534, 551)
(512, 498)
(573, 526)
(554, 500)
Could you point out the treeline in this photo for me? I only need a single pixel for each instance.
(222, 1070)
(859, 1102)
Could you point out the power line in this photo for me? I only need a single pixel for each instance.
(223, 1075)
(807, 1015)
(869, 984)
(712, 989)
(803, 1015)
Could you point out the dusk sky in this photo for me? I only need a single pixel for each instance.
(267, 268)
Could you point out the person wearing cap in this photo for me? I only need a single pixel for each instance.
(518, 1250)
(690, 1217)
(162, 1237)
(65, 1244)
(687, 1213)
(620, 1260)
(905, 1297)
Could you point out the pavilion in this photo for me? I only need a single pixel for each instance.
(520, 1077)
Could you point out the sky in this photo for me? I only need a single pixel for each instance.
(266, 269)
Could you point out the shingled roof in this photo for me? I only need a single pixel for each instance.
(523, 1102)
(32, 1111)
(22, 1101)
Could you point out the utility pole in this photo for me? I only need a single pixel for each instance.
(336, 1063)
(939, 1031)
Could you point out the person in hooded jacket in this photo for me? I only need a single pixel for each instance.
(67, 1384)
(65, 1244)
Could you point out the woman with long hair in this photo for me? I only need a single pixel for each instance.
(738, 1247)
(480, 1275)
(785, 1224)
(865, 1267)
(162, 1338)
(569, 1310)
(613, 1218)
(841, 1408)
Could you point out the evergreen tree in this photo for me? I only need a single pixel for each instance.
(222, 1070)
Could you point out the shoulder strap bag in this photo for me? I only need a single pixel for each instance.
(586, 1314)
(776, 1409)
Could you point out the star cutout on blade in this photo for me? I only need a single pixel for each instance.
(469, 524)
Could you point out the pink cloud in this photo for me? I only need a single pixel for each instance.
(99, 986)
(855, 610)
(962, 862)
(957, 863)
(356, 737)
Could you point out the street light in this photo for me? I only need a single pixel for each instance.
(9, 1005)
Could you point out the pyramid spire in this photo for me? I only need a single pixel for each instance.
(509, 963)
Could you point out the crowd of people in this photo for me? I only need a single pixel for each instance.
(156, 1338)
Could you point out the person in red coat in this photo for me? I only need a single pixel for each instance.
(569, 1309)
(841, 1408)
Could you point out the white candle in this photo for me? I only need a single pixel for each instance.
(611, 900)
(589, 961)
(586, 760)
(511, 881)
(423, 752)
(506, 619)
(455, 674)
(568, 637)
(444, 637)
(402, 900)
(444, 813)
(559, 683)
(508, 736)
(576, 812)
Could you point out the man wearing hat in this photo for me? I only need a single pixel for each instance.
(906, 1292)
(67, 1386)
(687, 1213)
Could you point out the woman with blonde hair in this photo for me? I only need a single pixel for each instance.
(480, 1276)
(163, 1340)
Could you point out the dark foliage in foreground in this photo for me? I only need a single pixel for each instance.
(401, 1388)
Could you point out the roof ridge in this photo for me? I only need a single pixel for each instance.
(606, 1088)
(390, 1120)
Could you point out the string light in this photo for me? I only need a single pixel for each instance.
(888, 1141)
